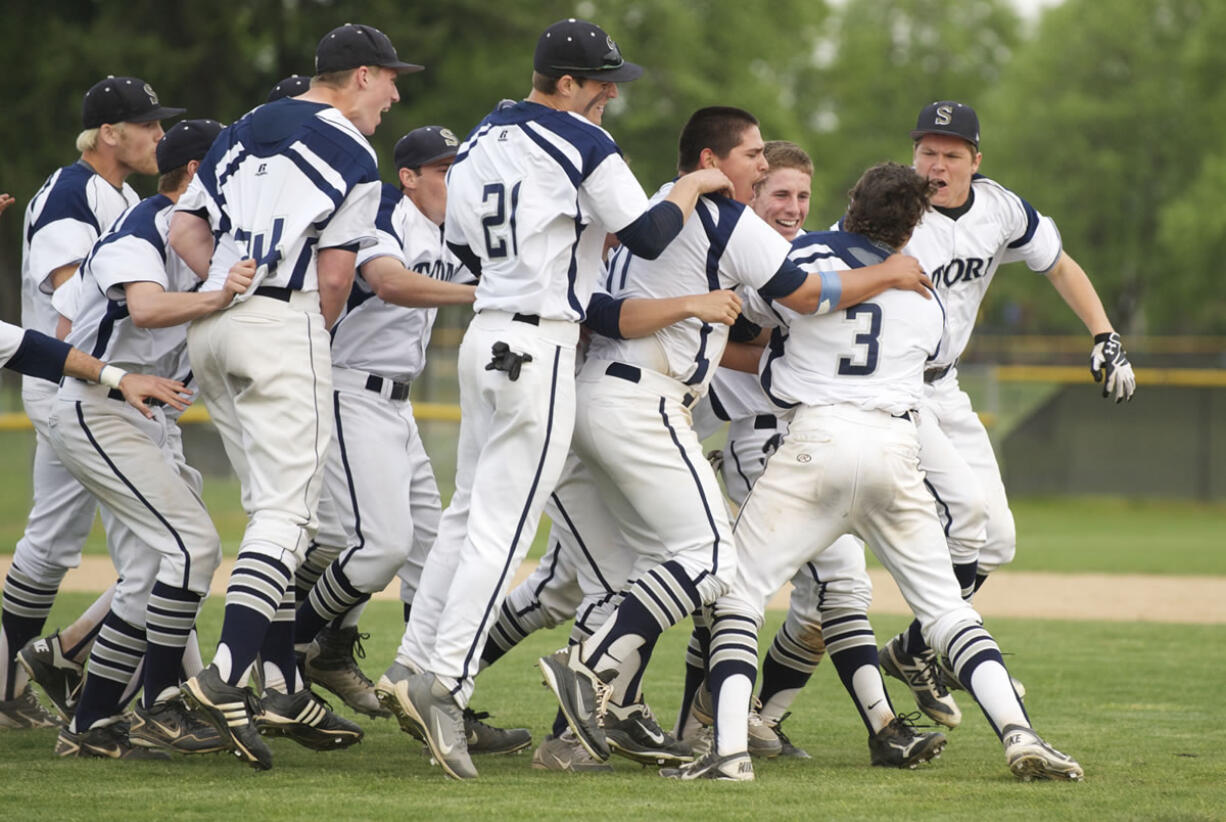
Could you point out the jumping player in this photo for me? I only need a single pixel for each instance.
(851, 381)
(975, 225)
(532, 195)
(293, 185)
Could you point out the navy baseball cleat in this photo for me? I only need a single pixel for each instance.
(1029, 757)
(581, 694)
(306, 718)
(169, 725)
(231, 710)
(633, 732)
(897, 745)
(923, 677)
(60, 677)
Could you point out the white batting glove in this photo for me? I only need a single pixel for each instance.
(1109, 365)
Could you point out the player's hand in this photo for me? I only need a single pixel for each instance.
(6, 200)
(722, 306)
(238, 280)
(907, 274)
(1109, 365)
(711, 181)
(137, 388)
(716, 459)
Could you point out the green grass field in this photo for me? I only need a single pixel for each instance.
(1136, 704)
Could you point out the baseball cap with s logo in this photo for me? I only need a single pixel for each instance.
(948, 117)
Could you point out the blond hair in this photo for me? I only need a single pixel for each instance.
(88, 140)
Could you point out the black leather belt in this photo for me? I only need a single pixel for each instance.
(632, 373)
(274, 291)
(765, 422)
(399, 390)
(116, 394)
(530, 319)
(934, 374)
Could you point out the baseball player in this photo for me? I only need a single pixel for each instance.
(293, 185)
(121, 119)
(634, 429)
(378, 467)
(974, 226)
(135, 296)
(532, 195)
(852, 381)
(291, 86)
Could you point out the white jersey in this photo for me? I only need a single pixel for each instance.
(378, 337)
(961, 248)
(62, 222)
(134, 250)
(288, 179)
(533, 192)
(871, 355)
(723, 245)
(736, 395)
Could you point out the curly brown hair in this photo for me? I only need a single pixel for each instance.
(887, 202)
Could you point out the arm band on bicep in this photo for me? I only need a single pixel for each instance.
(832, 292)
(471, 261)
(604, 315)
(40, 356)
(654, 229)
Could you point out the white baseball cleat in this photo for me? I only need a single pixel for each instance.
(737, 767)
(1029, 757)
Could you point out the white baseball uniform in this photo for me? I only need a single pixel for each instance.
(961, 249)
(378, 468)
(532, 194)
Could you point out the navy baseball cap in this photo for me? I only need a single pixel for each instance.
(948, 117)
(291, 86)
(123, 100)
(424, 146)
(582, 49)
(186, 140)
(352, 45)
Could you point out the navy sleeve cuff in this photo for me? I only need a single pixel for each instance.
(40, 356)
(604, 315)
(743, 330)
(787, 279)
(654, 229)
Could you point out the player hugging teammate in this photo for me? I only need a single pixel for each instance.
(832, 354)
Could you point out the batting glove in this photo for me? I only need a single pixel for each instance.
(1109, 365)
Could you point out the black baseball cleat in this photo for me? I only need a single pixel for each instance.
(897, 745)
(232, 711)
(25, 711)
(107, 739)
(306, 718)
(331, 661)
(171, 726)
(582, 696)
(60, 677)
(487, 739)
(633, 732)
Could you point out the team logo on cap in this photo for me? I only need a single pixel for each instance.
(945, 115)
(153, 98)
(449, 138)
(614, 56)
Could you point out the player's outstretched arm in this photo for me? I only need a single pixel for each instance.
(151, 306)
(640, 316)
(395, 284)
(192, 239)
(1108, 360)
(830, 291)
(136, 388)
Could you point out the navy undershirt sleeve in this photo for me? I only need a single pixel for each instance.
(787, 279)
(654, 229)
(471, 261)
(743, 330)
(604, 315)
(40, 356)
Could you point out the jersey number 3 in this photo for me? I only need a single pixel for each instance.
(863, 363)
(499, 224)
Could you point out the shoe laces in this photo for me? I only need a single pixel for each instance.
(359, 650)
(909, 723)
(476, 717)
(778, 729)
(930, 675)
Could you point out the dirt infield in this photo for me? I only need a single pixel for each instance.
(1028, 595)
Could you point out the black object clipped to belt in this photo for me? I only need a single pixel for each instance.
(505, 359)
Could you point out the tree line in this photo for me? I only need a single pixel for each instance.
(1106, 116)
